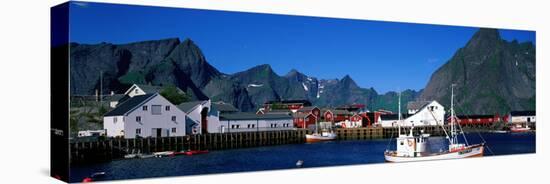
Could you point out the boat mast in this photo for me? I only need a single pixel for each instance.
(399, 115)
(453, 136)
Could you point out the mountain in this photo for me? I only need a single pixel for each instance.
(491, 76)
(172, 62)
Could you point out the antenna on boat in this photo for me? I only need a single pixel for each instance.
(453, 136)
(399, 115)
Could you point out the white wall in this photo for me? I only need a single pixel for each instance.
(422, 118)
(523, 119)
(135, 91)
(149, 121)
(425, 118)
(195, 115)
(113, 128)
(259, 125)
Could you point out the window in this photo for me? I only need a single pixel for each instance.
(156, 109)
(144, 108)
(167, 108)
(232, 126)
(173, 130)
(238, 126)
(173, 118)
(114, 120)
(138, 131)
(136, 91)
(138, 118)
(253, 125)
(249, 125)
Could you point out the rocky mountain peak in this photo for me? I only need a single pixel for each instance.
(484, 39)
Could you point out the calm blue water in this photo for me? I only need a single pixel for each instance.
(285, 157)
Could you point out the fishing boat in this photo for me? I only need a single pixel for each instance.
(412, 148)
(324, 135)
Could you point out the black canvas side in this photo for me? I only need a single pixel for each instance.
(59, 98)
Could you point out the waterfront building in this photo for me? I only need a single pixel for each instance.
(476, 120)
(292, 105)
(198, 116)
(149, 115)
(335, 115)
(522, 117)
(304, 120)
(425, 114)
(250, 122)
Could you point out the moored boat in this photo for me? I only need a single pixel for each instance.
(520, 129)
(323, 136)
(195, 152)
(408, 149)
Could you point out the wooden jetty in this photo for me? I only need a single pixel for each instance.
(93, 151)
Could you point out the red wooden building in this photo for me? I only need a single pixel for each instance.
(304, 120)
(335, 115)
(476, 120)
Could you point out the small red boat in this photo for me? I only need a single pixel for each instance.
(195, 152)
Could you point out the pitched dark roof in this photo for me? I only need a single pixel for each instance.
(394, 116)
(302, 115)
(523, 113)
(252, 116)
(224, 107)
(188, 106)
(307, 109)
(130, 104)
(417, 104)
(336, 111)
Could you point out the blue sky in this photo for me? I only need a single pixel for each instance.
(384, 55)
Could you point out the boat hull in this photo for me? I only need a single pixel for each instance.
(470, 151)
(319, 138)
(520, 130)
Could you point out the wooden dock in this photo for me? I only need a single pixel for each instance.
(93, 151)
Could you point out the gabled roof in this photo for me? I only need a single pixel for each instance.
(130, 104)
(224, 107)
(417, 104)
(252, 116)
(335, 111)
(302, 115)
(187, 107)
(523, 113)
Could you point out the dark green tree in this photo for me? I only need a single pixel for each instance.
(174, 95)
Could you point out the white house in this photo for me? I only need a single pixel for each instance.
(149, 115)
(425, 114)
(430, 114)
(198, 116)
(251, 122)
(519, 117)
(142, 89)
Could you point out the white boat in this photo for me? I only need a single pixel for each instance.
(520, 129)
(412, 148)
(323, 136)
(163, 153)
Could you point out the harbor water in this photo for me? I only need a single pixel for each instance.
(334, 153)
